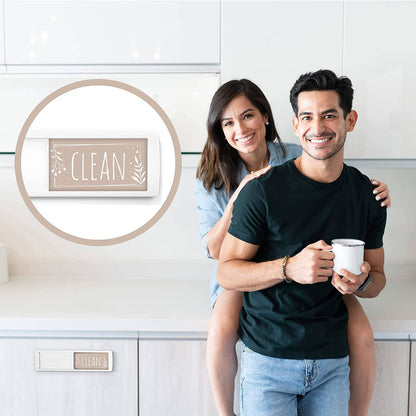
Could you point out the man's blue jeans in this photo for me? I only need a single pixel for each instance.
(280, 387)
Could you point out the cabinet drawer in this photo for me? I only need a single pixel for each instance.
(173, 379)
(390, 395)
(26, 391)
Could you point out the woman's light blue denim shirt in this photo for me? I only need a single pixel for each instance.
(212, 203)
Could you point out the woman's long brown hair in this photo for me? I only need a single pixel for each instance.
(220, 163)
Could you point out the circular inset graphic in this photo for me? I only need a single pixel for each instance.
(98, 162)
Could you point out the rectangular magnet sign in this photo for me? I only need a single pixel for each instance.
(92, 165)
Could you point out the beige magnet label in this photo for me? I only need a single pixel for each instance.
(91, 361)
(62, 360)
(98, 164)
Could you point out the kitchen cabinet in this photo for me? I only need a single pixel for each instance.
(176, 368)
(1, 32)
(412, 390)
(185, 99)
(156, 377)
(379, 58)
(290, 38)
(156, 329)
(369, 41)
(25, 391)
(112, 32)
(391, 390)
(173, 379)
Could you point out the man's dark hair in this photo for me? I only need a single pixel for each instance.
(323, 80)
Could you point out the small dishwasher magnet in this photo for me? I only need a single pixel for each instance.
(98, 162)
(93, 165)
(55, 360)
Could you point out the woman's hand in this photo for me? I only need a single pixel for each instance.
(382, 193)
(249, 178)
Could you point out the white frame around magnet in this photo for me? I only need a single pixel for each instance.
(64, 360)
(36, 175)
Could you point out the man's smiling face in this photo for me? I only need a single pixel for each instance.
(320, 123)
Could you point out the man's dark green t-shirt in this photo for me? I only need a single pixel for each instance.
(283, 211)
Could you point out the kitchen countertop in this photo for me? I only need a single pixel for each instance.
(154, 306)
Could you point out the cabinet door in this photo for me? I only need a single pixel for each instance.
(289, 39)
(173, 379)
(25, 391)
(390, 395)
(380, 60)
(412, 390)
(175, 93)
(1, 32)
(112, 32)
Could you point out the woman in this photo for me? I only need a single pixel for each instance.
(243, 144)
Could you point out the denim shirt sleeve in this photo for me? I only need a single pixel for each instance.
(292, 151)
(209, 211)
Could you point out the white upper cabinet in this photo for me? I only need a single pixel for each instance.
(380, 59)
(273, 42)
(1, 33)
(112, 32)
(185, 99)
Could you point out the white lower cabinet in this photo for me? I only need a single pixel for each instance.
(412, 389)
(24, 391)
(173, 379)
(391, 391)
(157, 377)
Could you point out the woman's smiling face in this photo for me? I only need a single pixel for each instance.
(243, 125)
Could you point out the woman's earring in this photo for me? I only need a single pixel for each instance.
(267, 123)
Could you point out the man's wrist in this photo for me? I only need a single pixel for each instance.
(284, 264)
(365, 284)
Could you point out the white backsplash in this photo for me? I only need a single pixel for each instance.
(174, 240)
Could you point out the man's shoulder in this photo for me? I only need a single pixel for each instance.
(357, 176)
(277, 173)
(362, 186)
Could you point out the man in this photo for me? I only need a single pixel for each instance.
(294, 323)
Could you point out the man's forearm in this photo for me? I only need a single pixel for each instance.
(375, 258)
(378, 281)
(248, 276)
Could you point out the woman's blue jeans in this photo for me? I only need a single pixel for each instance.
(281, 387)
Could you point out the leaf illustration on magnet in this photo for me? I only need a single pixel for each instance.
(58, 162)
(139, 174)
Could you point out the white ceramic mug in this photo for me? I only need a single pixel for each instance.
(348, 255)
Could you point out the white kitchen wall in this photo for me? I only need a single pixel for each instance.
(174, 239)
(400, 235)
(33, 250)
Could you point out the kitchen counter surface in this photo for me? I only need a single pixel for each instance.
(155, 306)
